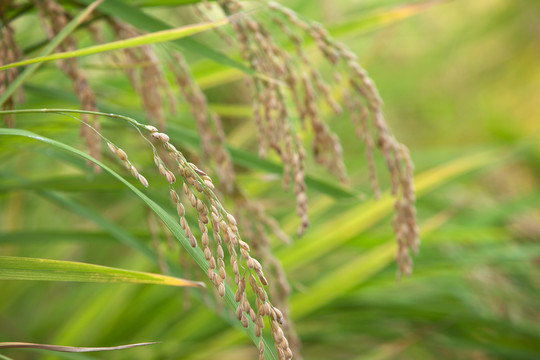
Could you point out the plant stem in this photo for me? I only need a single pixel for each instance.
(58, 111)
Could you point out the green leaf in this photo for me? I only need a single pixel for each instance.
(23, 268)
(152, 38)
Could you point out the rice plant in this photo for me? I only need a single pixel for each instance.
(200, 140)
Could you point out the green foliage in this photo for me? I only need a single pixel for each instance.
(468, 117)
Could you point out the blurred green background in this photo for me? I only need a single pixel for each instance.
(460, 81)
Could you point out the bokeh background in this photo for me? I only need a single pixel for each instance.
(460, 80)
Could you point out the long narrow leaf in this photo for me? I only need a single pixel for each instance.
(23, 268)
(149, 3)
(152, 38)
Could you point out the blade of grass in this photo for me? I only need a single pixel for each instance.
(152, 38)
(70, 27)
(232, 110)
(23, 268)
(71, 349)
(168, 220)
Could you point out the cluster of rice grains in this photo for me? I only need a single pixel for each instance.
(256, 227)
(216, 224)
(121, 154)
(218, 234)
(296, 78)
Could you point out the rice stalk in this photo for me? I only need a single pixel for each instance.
(54, 18)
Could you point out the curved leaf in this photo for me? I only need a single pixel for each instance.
(23, 268)
(152, 38)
